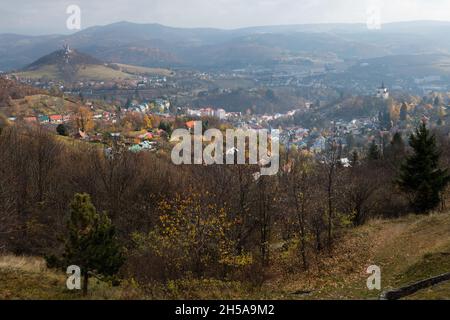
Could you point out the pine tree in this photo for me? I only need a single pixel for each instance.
(354, 158)
(384, 118)
(420, 175)
(397, 144)
(62, 130)
(404, 112)
(90, 244)
(374, 151)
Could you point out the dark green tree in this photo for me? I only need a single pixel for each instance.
(90, 244)
(397, 145)
(374, 152)
(129, 103)
(420, 175)
(350, 139)
(354, 158)
(81, 96)
(437, 101)
(396, 152)
(384, 118)
(61, 129)
(166, 126)
(404, 112)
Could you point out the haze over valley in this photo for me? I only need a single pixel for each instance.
(225, 150)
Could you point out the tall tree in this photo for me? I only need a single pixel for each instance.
(84, 119)
(404, 112)
(91, 243)
(354, 158)
(397, 143)
(331, 161)
(374, 152)
(420, 175)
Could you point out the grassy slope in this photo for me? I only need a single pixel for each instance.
(407, 250)
(102, 73)
(145, 70)
(28, 278)
(50, 72)
(40, 104)
(88, 72)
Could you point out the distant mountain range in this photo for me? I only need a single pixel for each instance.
(154, 45)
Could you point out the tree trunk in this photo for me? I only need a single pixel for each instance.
(85, 283)
(330, 211)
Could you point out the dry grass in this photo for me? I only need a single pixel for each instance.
(22, 263)
(407, 249)
(28, 278)
(145, 70)
(40, 104)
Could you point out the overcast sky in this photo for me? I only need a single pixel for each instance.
(49, 16)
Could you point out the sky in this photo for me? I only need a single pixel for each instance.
(49, 16)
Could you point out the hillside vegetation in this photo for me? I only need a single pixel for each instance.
(13, 90)
(407, 250)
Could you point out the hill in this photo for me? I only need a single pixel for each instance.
(13, 90)
(155, 45)
(71, 65)
(420, 65)
(43, 104)
(406, 249)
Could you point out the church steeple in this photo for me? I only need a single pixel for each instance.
(382, 92)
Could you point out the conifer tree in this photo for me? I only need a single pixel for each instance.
(90, 244)
(374, 151)
(397, 145)
(420, 175)
(354, 158)
(404, 112)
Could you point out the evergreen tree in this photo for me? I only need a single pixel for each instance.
(350, 141)
(61, 129)
(384, 118)
(374, 152)
(420, 176)
(166, 126)
(354, 158)
(90, 244)
(129, 103)
(437, 101)
(404, 112)
(397, 144)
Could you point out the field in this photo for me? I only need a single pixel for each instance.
(102, 73)
(407, 249)
(145, 70)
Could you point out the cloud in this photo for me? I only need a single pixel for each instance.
(49, 16)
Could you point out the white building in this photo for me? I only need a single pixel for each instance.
(220, 113)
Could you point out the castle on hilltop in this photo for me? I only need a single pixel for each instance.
(67, 51)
